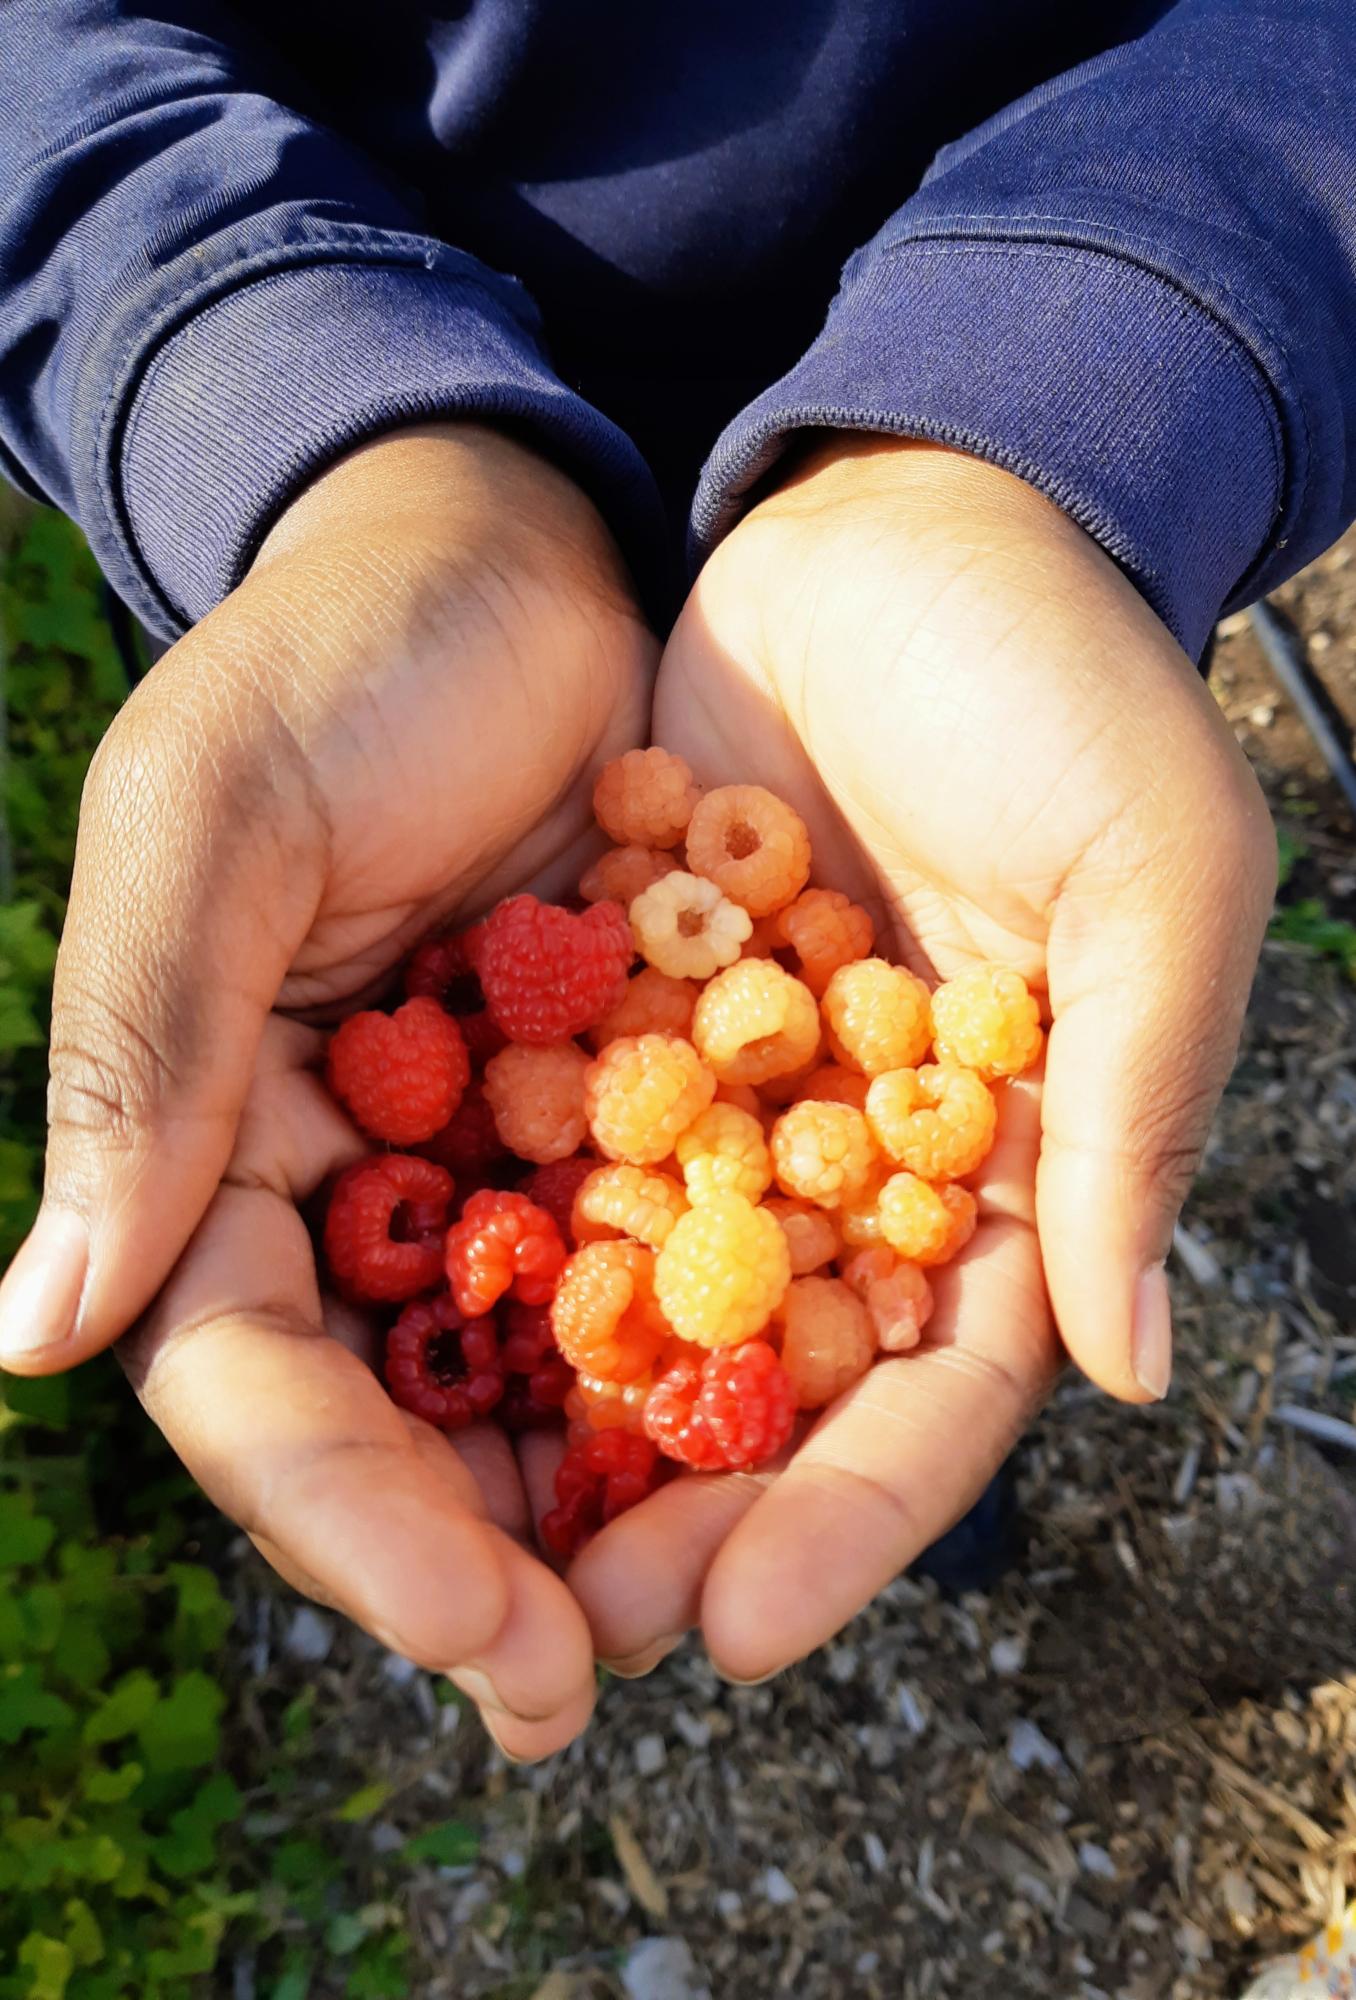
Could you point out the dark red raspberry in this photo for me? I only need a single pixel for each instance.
(539, 1376)
(482, 1035)
(385, 1226)
(470, 1142)
(440, 969)
(598, 1478)
(732, 1408)
(443, 1366)
(554, 1188)
(401, 1075)
(548, 972)
(502, 1243)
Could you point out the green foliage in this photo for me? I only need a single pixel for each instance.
(1308, 923)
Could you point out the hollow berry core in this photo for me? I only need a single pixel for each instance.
(742, 840)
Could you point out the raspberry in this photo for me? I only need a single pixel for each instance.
(482, 1035)
(554, 1188)
(754, 1021)
(440, 969)
(654, 1003)
(687, 928)
(822, 1152)
(832, 1084)
(926, 1224)
(642, 1092)
(401, 1075)
(896, 1295)
(986, 1020)
(539, 1378)
(537, 1097)
(623, 873)
(811, 1233)
(721, 1275)
(597, 1405)
(549, 973)
(444, 1367)
(604, 1315)
(776, 1092)
(751, 844)
(724, 1411)
(744, 1098)
(598, 1478)
(646, 798)
(470, 1141)
(503, 1243)
(859, 1218)
(826, 930)
(763, 941)
(724, 1152)
(384, 1226)
(936, 1121)
(877, 1016)
(828, 1341)
(625, 1200)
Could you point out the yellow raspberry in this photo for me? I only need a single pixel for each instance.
(926, 1224)
(744, 1096)
(604, 1316)
(653, 1004)
(536, 1097)
(986, 1020)
(776, 1092)
(722, 1273)
(937, 1121)
(599, 1405)
(811, 1233)
(645, 798)
(755, 1021)
(641, 1092)
(832, 1084)
(877, 1016)
(895, 1293)
(859, 1218)
(684, 926)
(826, 930)
(823, 1152)
(624, 1200)
(724, 1152)
(828, 1341)
(752, 844)
(620, 875)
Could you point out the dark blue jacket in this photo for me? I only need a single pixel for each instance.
(1112, 247)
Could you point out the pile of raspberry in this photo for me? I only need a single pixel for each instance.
(674, 1162)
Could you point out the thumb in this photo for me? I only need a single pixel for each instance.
(1153, 944)
(196, 875)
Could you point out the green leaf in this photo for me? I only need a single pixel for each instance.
(124, 1709)
(183, 1730)
(25, 1704)
(368, 1799)
(51, 1963)
(83, 1934)
(450, 1845)
(190, 1846)
(103, 1787)
(295, 1982)
(379, 1971)
(24, 1537)
(80, 1655)
(344, 1933)
(202, 1615)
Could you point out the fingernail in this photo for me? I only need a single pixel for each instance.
(734, 1681)
(40, 1292)
(495, 1738)
(632, 1666)
(479, 1688)
(1151, 1333)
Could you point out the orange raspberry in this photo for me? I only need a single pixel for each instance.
(776, 1092)
(622, 873)
(877, 1016)
(986, 1020)
(755, 1021)
(828, 1341)
(724, 1152)
(642, 1092)
(826, 930)
(936, 1121)
(926, 1224)
(743, 1096)
(722, 1273)
(752, 844)
(653, 1004)
(605, 1316)
(832, 1084)
(811, 1233)
(595, 1404)
(896, 1295)
(537, 1098)
(762, 941)
(822, 1152)
(859, 1218)
(684, 926)
(625, 1200)
(645, 798)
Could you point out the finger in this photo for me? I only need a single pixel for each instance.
(1152, 949)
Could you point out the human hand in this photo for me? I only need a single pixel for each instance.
(1000, 750)
(397, 717)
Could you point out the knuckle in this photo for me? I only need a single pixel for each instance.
(1165, 1135)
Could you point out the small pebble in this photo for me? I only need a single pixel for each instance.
(1030, 1748)
(729, 1903)
(867, 1961)
(308, 1635)
(911, 1711)
(695, 1732)
(777, 1887)
(650, 1754)
(1095, 1860)
(662, 1968)
(874, 1849)
(1008, 1656)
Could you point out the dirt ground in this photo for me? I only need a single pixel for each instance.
(1126, 1773)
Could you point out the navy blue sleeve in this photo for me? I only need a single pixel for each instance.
(1135, 288)
(205, 296)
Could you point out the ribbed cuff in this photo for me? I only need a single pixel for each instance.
(1098, 381)
(270, 381)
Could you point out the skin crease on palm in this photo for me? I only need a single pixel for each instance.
(996, 746)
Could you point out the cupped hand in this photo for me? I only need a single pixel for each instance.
(1002, 752)
(395, 719)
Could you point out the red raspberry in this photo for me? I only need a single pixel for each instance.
(482, 1035)
(503, 1243)
(385, 1224)
(554, 1187)
(440, 969)
(722, 1412)
(443, 1366)
(540, 1378)
(598, 1478)
(549, 973)
(470, 1142)
(401, 1075)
